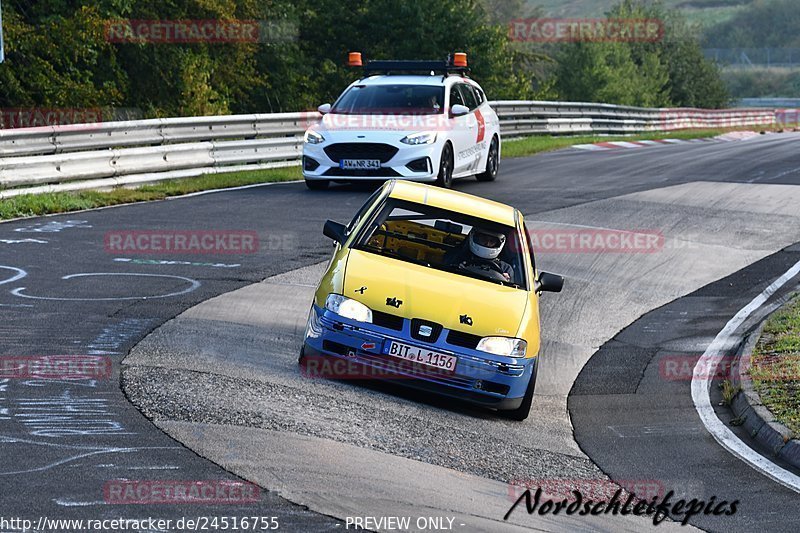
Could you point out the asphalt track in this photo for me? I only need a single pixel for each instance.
(715, 229)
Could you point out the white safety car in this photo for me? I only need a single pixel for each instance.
(416, 120)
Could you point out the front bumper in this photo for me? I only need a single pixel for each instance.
(318, 165)
(479, 378)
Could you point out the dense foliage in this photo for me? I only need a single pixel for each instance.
(764, 24)
(671, 71)
(59, 55)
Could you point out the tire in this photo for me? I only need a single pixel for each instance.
(445, 178)
(317, 185)
(492, 162)
(521, 412)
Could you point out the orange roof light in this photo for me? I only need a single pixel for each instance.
(354, 60)
(460, 59)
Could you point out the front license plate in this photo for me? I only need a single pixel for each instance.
(360, 164)
(422, 356)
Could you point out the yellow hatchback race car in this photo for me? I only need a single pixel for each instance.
(436, 289)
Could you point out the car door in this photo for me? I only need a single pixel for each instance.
(491, 121)
(476, 137)
(460, 134)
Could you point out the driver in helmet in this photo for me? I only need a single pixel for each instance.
(483, 250)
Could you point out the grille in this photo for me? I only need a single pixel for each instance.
(436, 330)
(465, 340)
(385, 320)
(340, 151)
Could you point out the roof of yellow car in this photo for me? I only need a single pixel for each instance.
(454, 201)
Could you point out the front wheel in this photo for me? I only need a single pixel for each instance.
(445, 178)
(317, 185)
(492, 162)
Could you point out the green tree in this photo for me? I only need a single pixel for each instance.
(607, 73)
(670, 71)
(59, 53)
(692, 80)
(412, 29)
(763, 24)
(58, 60)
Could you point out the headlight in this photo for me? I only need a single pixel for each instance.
(503, 346)
(428, 137)
(347, 308)
(312, 137)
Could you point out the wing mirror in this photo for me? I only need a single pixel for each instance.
(459, 110)
(324, 109)
(334, 230)
(548, 282)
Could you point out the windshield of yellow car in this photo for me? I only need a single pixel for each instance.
(439, 239)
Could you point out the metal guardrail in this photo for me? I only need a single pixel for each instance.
(129, 153)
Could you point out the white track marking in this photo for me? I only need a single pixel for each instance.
(593, 147)
(19, 274)
(53, 226)
(72, 503)
(701, 383)
(626, 144)
(167, 262)
(240, 188)
(22, 241)
(80, 452)
(194, 284)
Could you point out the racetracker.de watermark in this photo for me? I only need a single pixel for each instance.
(585, 241)
(787, 118)
(339, 368)
(34, 117)
(199, 31)
(555, 30)
(725, 368)
(55, 367)
(193, 242)
(394, 119)
(126, 491)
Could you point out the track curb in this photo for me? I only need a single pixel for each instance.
(751, 413)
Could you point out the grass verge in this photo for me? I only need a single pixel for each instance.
(776, 365)
(63, 202)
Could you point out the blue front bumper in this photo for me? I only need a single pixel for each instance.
(479, 377)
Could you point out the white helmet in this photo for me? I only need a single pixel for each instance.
(486, 244)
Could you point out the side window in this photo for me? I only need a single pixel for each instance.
(479, 95)
(469, 96)
(455, 97)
